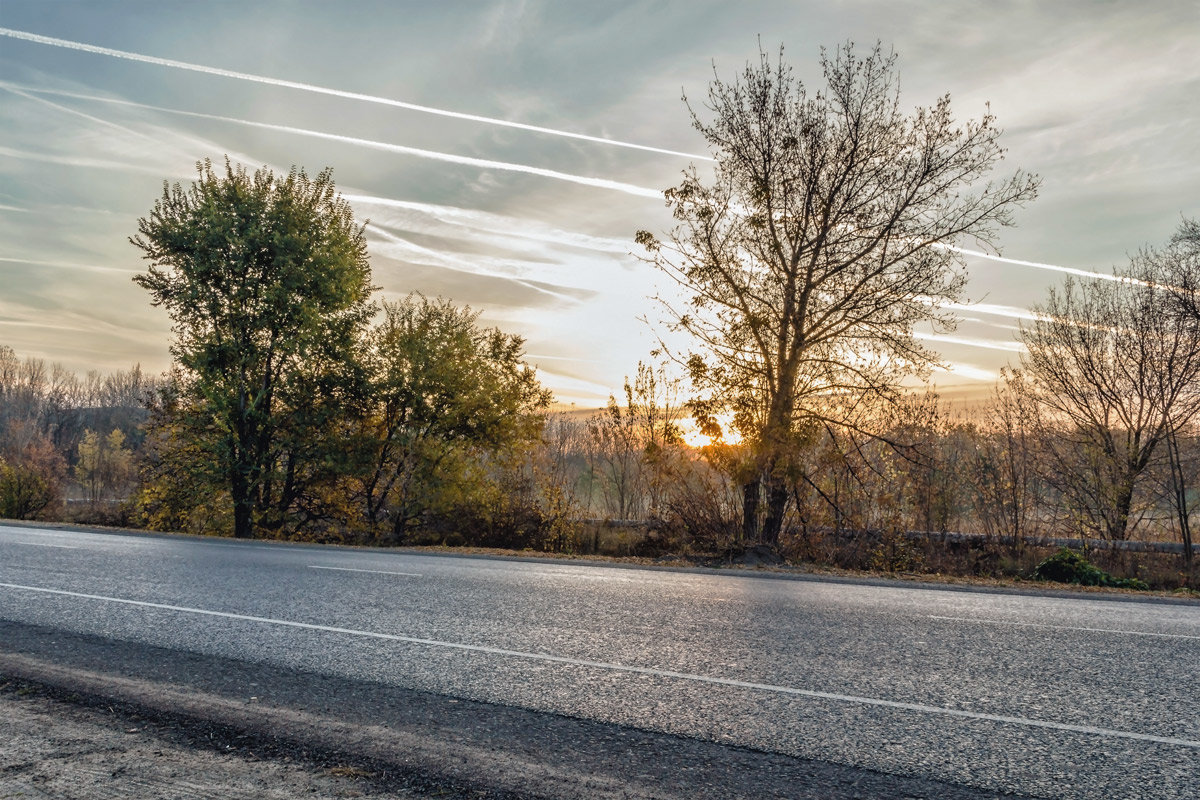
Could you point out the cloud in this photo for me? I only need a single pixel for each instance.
(570, 389)
(968, 371)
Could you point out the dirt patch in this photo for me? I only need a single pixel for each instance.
(58, 745)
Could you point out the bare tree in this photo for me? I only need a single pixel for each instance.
(1005, 458)
(616, 443)
(825, 237)
(563, 457)
(636, 443)
(1113, 375)
(1177, 270)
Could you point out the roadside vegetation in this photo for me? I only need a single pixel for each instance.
(301, 406)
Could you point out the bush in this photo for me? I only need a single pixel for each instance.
(25, 491)
(1067, 566)
(896, 553)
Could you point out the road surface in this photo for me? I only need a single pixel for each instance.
(1032, 695)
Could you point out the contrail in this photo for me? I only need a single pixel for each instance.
(67, 265)
(1083, 273)
(60, 107)
(308, 87)
(482, 163)
(1012, 312)
(986, 344)
(441, 260)
(496, 224)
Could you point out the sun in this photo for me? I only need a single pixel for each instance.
(693, 437)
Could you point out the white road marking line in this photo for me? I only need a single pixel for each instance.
(1064, 627)
(577, 576)
(658, 673)
(374, 571)
(44, 544)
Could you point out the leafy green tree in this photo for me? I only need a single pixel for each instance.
(825, 237)
(448, 397)
(178, 489)
(268, 283)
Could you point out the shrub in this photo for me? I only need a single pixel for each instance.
(1067, 566)
(25, 491)
(896, 553)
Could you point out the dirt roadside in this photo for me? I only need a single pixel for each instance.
(55, 745)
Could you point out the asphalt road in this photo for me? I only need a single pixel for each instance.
(1033, 695)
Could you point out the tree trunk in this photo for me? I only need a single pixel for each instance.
(777, 496)
(750, 495)
(1118, 514)
(1179, 492)
(240, 483)
(243, 509)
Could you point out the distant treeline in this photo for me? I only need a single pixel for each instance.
(92, 449)
(64, 438)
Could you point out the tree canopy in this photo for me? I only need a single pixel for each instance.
(267, 281)
(825, 237)
(443, 387)
(1115, 369)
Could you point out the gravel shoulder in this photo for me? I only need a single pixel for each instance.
(97, 718)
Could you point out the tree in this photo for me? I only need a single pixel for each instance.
(104, 465)
(447, 395)
(635, 443)
(1177, 269)
(25, 491)
(267, 281)
(616, 444)
(825, 237)
(1005, 460)
(1114, 374)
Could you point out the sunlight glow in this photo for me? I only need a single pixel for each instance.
(692, 436)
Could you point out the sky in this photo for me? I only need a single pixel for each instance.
(412, 105)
